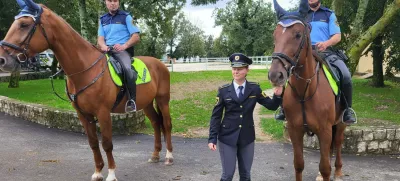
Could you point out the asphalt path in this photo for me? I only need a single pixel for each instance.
(32, 152)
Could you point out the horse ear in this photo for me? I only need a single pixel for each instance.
(304, 8)
(32, 4)
(280, 12)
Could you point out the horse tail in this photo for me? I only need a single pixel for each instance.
(334, 128)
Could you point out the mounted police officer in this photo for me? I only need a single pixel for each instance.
(325, 33)
(232, 121)
(117, 30)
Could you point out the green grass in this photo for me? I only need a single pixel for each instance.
(194, 110)
(272, 127)
(374, 106)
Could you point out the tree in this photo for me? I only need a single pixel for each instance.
(248, 26)
(208, 45)
(191, 41)
(83, 18)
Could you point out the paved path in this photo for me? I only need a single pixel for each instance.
(37, 153)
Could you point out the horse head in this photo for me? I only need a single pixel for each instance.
(22, 40)
(291, 39)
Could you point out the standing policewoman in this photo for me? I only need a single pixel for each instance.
(234, 128)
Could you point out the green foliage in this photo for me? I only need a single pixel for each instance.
(8, 9)
(272, 127)
(248, 27)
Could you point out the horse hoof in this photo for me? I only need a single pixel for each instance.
(319, 178)
(337, 179)
(97, 177)
(169, 161)
(154, 159)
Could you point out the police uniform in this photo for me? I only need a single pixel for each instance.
(324, 25)
(232, 122)
(118, 29)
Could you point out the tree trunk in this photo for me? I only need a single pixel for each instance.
(358, 22)
(367, 37)
(83, 17)
(14, 79)
(378, 56)
(337, 7)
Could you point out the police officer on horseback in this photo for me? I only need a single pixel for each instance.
(325, 33)
(117, 34)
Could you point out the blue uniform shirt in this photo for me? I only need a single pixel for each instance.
(117, 29)
(324, 24)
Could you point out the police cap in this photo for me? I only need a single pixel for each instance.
(239, 60)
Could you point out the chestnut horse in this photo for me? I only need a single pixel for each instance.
(308, 101)
(87, 72)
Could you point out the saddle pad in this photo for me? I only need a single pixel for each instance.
(331, 80)
(143, 72)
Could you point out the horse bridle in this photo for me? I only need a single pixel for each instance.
(294, 63)
(283, 57)
(23, 55)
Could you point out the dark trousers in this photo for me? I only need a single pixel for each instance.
(346, 84)
(129, 77)
(244, 155)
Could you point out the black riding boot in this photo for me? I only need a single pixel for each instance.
(281, 115)
(130, 83)
(349, 115)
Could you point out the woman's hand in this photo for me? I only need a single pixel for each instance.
(212, 146)
(278, 91)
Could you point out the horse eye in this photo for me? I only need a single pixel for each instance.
(298, 35)
(23, 25)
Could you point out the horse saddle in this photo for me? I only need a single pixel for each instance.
(116, 71)
(332, 72)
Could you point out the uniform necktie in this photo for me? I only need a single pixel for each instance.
(241, 92)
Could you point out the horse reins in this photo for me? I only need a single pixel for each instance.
(294, 64)
(24, 52)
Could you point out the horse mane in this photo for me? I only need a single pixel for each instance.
(63, 20)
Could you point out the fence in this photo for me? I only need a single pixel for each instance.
(216, 63)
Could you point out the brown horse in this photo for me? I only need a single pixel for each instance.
(308, 101)
(84, 64)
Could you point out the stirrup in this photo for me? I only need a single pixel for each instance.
(130, 106)
(352, 112)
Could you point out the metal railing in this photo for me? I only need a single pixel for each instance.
(213, 63)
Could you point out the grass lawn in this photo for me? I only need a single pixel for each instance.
(374, 107)
(193, 98)
(191, 110)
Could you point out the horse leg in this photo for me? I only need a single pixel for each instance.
(339, 138)
(325, 140)
(106, 134)
(163, 107)
(296, 135)
(156, 124)
(91, 132)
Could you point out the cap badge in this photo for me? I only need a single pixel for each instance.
(236, 58)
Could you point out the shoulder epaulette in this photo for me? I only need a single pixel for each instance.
(326, 9)
(224, 86)
(254, 83)
(104, 15)
(123, 12)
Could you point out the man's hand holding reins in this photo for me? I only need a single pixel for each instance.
(119, 48)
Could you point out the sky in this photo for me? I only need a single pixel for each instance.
(201, 16)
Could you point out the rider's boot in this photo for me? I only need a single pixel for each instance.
(349, 114)
(130, 83)
(281, 114)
